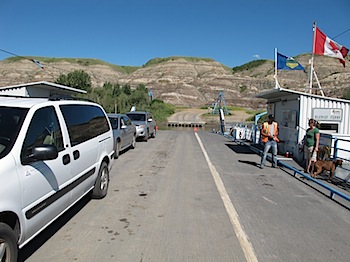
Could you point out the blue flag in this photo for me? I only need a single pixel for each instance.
(288, 63)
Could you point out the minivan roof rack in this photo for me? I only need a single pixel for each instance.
(68, 97)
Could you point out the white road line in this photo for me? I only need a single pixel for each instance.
(230, 209)
(269, 200)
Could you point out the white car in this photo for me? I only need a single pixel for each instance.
(52, 153)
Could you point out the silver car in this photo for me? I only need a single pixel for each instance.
(145, 124)
(124, 133)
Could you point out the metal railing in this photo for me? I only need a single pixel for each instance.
(337, 152)
(333, 191)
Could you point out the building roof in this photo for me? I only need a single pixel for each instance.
(282, 93)
(46, 85)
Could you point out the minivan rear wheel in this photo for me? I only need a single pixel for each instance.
(102, 182)
(8, 244)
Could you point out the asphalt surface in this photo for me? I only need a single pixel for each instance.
(187, 196)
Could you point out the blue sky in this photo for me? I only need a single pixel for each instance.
(131, 32)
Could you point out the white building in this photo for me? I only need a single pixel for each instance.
(293, 109)
(40, 89)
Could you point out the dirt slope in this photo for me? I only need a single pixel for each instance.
(202, 115)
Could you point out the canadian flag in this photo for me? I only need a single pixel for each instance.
(326, 46)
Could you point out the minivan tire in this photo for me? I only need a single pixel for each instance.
(101, 183)
(8, 244)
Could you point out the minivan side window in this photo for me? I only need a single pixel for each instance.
(44, 129)
(84, 122)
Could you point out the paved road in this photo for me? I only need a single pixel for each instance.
(195, 115)
(172, 200)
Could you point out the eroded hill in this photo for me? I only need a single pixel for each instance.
(186, 81)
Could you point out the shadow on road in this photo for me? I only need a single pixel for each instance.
(248, 162)
(240, 149)
(45, 235)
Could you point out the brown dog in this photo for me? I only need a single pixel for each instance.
(323, 165)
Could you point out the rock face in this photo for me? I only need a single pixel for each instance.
(190, 82)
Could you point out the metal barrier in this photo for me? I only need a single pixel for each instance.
(343, 154)
(332, 190)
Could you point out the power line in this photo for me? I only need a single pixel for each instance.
(40, 64)
(35, 61)
(342, 33)
(8, 52)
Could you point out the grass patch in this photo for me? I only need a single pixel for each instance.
(248, 66)
(79, 61)
(235, 108)
(156, 61)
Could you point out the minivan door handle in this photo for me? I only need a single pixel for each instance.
(66, 159)
(76, 154)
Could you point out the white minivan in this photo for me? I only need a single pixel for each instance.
(52, 153)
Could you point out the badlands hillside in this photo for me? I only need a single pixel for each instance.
(187, 81)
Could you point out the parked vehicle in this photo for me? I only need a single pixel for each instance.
(145, 124)
(52, 153)
(124, 132)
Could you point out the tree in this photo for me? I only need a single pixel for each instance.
(116, 90)
(160, 110)
(76, 79)
(126, 89)
(140, 98)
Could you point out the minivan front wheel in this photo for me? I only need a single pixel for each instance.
(8, 244)
(102, 182)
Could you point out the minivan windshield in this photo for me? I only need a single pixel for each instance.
(11, 120)
(137, 117)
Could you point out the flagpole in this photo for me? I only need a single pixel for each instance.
(312, 70)
(276, 81)
(312, 57)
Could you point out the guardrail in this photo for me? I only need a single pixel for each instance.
(337, 149)
(337, 155)
(331, 189)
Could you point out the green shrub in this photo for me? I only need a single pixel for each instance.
(248, 66)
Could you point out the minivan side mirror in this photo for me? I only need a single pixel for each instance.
(42, 152)
(150, 120)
